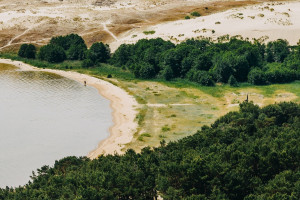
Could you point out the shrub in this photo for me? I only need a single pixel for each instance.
(187, 17)
(165, 128)
(146, 71)
(195, 14)
(52, 53)
(149, 32)
(109, 76)
(278, 73)
(87, 63)
(257, 77)
(146, 135)
(232, 81)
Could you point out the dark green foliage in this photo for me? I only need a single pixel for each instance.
(87, 63)
(195, 14)
(76, 52)
(146, 71)
(73, 44)
(66, 42)
(201, 77)
(27, 51)
(121, 55)
(187, 17)
(200, 61)
(229, 57)
(252, 154)
(52, 53)
(232, 81)
(99, 52)
(257, 77)
(167, 73)
(277, 51)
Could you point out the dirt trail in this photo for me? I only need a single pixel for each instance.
(10, 42)
(109, 32)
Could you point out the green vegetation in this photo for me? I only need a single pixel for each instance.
(149, 32)
(168, 80)
(195, 14)
(206, 62)
(200, 61)
(187, 17)
(252, 154)
(27, 51)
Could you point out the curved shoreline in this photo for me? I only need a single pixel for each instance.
(122, 104)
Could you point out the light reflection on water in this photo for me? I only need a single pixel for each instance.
(45, 117)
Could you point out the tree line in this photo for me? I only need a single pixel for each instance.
(230, 60)
(252, 154)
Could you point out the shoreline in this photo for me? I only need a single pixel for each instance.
(122, 104)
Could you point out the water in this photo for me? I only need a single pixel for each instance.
(45, 117)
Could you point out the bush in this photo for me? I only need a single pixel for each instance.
(195, 14)
(52, 53)
(27, 51)
(201, 77)
(146, 71)
(149, 32)
(257, 77)
(87, 63)
(232, 81)
(187, 17)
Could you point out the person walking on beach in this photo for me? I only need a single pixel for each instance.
(84, 83)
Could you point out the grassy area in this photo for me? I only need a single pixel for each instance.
(174, 109)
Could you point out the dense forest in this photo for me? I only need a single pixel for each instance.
(230, 60)
(252, 154)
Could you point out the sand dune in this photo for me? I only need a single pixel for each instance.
(268, 20)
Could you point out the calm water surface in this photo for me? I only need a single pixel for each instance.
(45, 117)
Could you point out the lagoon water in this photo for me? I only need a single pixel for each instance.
(45, 117)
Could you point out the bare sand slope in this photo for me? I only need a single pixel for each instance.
(268, 20)
(124, 108)
(30, 21)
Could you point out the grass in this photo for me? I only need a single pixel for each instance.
(149, 32)
(165, 128)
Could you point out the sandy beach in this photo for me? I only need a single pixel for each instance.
(123, 108)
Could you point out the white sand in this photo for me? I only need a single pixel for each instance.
(123, 105)
(283, 22)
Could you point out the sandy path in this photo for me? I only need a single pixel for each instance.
(122, 103)
(109, 32)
